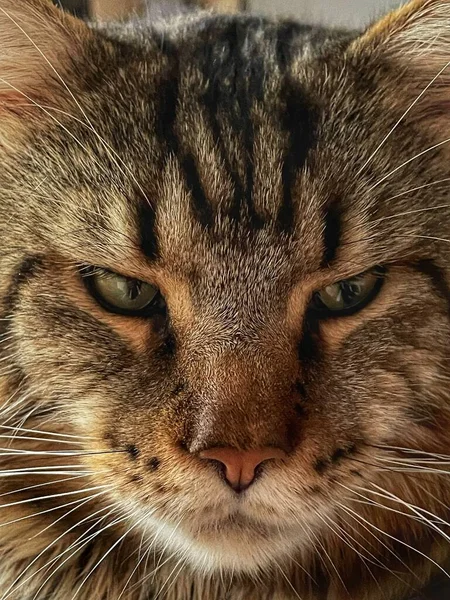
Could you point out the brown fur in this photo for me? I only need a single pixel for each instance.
(217, 158)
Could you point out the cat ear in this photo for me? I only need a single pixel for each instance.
(415, 42)
(37, 44)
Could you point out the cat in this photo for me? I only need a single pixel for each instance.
(225, 315)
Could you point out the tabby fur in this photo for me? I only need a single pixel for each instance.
(239, 165)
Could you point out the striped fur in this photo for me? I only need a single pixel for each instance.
(239, 165)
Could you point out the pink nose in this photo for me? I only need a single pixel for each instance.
(240, 465)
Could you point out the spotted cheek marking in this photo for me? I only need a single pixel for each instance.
(140, 466)
(326, 465)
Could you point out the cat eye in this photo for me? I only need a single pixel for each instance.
(349, 295)
(122, 295)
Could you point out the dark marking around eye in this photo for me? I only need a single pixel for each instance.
(153, 463)
(437, 277)
(202, 207)
(332, 234)
(308, 349)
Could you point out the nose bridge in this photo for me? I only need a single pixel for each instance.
(243, 377)
(244, 401)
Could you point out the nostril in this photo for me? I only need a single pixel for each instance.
(241, 467)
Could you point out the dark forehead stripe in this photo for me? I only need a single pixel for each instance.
(332, 233)
(238, 64)
(164, 131)
(147, 233)
(238, 57)
(233, 73)
(216, 64)
(299, 122)
(168, 137)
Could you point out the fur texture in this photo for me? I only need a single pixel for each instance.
(238, 165)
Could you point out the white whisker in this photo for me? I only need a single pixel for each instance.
(97, 564)
(410, 107)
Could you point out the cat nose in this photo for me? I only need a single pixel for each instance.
(240, 466)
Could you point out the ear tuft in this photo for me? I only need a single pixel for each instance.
(37, 41)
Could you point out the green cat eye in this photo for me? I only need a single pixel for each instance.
(120, 294)
(349, 295)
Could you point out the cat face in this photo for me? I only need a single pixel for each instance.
(225, 268)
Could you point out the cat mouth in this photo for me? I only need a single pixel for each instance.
(235, 522)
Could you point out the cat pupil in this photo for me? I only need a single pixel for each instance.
(134, 288)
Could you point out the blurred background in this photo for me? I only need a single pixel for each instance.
(352, 13)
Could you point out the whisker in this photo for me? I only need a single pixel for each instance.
(40, 439)
(43, 512)
(60, 495)
(79, 544)
(16, 587)
(39, 485)
(410, 107)
(138, 564)
(76, 453)
(97, 564)
(328, 521)
(288, 581)
(407, 162)
(410, 451)
(379, 540)
(408, 212)
(418, 510)
(384, 533)
(182, 561)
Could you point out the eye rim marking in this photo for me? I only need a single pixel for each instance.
(155, 307)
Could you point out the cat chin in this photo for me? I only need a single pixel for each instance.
(229, 548)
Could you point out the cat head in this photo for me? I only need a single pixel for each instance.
(224, 267)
